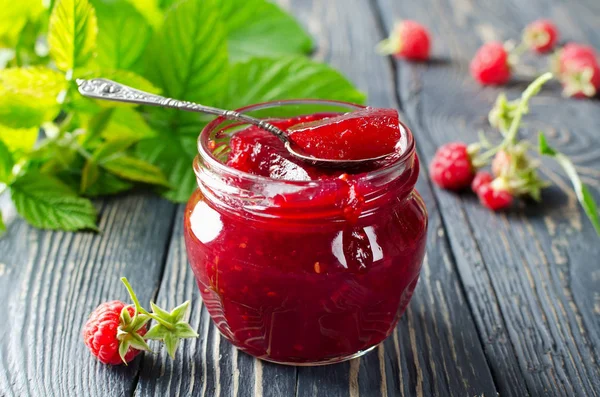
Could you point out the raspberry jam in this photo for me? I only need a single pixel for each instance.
(296, 264)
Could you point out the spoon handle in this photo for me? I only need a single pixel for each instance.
(109, 90)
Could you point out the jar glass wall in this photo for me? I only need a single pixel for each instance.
(284, 273)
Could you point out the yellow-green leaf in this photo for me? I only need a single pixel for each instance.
(19, 140)
(29, 96)
(6, 163)
(72, 33)
(150, 10)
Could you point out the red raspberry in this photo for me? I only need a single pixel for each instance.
(490, 64)
(501, 163)
(100, 333)
(409, 40)
(493, 198)
(481, 179)
(451, 166)
(541, 35)
(569, 53)
(581, 78)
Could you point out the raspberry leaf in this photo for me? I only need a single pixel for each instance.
(261, 28)
(72, 34)
(583, 194)
(29, 96)
(123, 33)
(47, 203)
(18, 139)
(188, 54)
(135, 169)
(264, 79)
(2, 225)
(6, 164)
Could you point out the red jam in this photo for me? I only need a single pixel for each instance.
(363, 134)
(303, 265)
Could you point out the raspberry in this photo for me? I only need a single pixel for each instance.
(490, 64)
(541, 35)
(501, 163)
(494, 198)
(451, 166)
(100, 333)
(409, 40)
(570, 52)
(481, 179)
(581, 78)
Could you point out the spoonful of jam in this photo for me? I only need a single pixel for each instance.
(349, 140)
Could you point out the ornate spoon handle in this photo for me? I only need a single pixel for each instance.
(105, 89)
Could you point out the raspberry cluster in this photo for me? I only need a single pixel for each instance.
(575, 65)
(514, 171)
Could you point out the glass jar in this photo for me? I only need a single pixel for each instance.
(284, 273)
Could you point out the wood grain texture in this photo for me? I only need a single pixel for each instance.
(527, 272)
(51, 281)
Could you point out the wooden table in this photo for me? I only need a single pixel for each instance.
(507, 303)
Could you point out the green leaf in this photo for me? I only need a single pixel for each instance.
(150, 9)
(188, 54)
(259, 28)
(89, 175)
(29, 96)
(6, 163)
(170, 156)
(264, 79)
(107, 184)
(126, 123)
(2, 225)
(135, 169)
(111, 149)
(583, 195)
(47, 203)
(18, 140)
(72, 34)
(14, 16)
(123, 34)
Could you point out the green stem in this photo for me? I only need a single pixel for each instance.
(136, 302)
(520, 49)
(529, 92)
(140, 309)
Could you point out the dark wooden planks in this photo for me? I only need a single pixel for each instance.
(526, 273)
(51, 281)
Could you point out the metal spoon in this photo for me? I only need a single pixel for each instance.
(109, 90)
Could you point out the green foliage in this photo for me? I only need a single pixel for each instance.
(581, 191)
(227, 53)
(72, 34)
(47, 203)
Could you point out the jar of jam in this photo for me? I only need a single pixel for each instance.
(295, 264)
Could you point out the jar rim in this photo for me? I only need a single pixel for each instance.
(216, 165)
